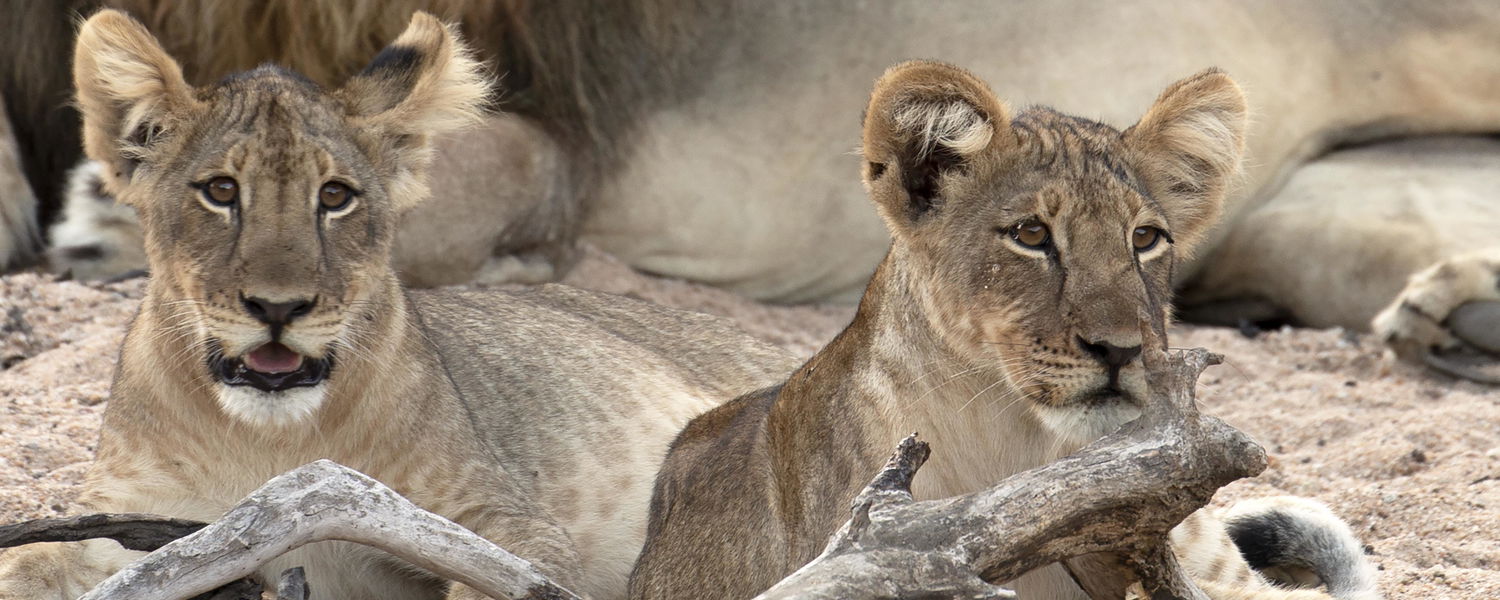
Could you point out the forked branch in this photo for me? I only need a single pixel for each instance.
(325, 501)
(1121, 494)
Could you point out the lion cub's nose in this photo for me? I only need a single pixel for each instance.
(1110, 354)
(277, 314)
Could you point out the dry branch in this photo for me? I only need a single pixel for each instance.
(1120, 494)
(133, 531)
(325, 501)
(293, 585)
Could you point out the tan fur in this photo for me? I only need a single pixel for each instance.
(1003, 356)
(18, 225)
(536, 418)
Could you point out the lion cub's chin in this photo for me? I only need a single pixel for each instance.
(271, 409)
(1078, 425)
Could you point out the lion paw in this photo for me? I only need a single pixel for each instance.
(97, 238)
(1448, 316)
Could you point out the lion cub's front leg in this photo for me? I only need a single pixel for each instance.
(1421, 322)
(70, 569)
(61, 571)
(538, 540)
(485, 499)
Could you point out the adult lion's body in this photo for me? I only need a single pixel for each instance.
(705, 140)
(739, 186)
(274, 331)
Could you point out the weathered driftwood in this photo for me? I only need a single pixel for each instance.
(1121, 494)
(325, 501)
(133, 531)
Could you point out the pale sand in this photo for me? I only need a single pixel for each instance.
(1411, 460)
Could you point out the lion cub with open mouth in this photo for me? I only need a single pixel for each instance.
(274, 332)
(1003, 326)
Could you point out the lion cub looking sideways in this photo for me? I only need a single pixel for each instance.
(274, 331)
(1002, 326)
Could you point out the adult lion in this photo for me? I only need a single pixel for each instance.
(707, 140)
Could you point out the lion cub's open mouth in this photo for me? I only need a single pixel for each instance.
(270, 367)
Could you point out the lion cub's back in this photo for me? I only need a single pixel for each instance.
(581, 392)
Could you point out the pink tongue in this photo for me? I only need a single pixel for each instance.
(273, 357)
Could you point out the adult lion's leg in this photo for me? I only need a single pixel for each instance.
(19, 238)
(499, 212)
(1450, 309)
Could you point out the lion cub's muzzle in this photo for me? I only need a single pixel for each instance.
(271, 366)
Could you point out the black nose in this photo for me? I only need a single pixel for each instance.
(1110, 354)
(277, 314)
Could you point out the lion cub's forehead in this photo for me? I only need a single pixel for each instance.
(1074, 165)
(271, 109)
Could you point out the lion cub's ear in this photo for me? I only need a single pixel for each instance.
(1187, 149)
(926, 121)
(131, 92)
(424, 83)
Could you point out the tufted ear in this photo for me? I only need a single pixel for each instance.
(1187, 149)
(925, 121)
(130, 91)
(426, 82)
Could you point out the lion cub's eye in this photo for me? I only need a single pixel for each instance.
(334, 195)
(1145, 238)
(222, 191)
(1031, 234)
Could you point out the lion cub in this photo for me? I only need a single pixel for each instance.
(1002, 326)
(274, 331)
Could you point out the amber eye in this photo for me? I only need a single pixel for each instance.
(1031, 235)
(222, 191)
(1145, 238)
(334, 195)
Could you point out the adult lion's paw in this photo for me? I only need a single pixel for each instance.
(1448, 317)
(97, 238)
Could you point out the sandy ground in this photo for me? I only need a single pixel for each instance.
(1411, 460)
